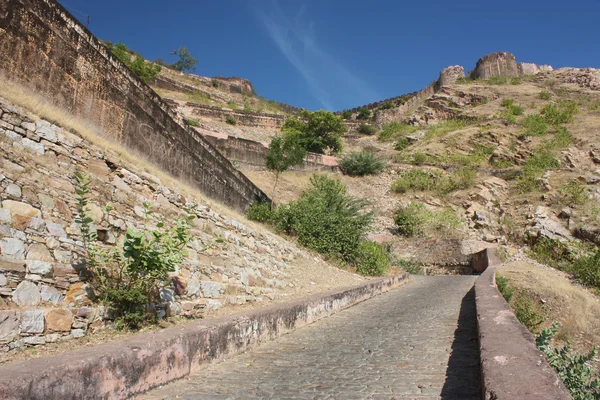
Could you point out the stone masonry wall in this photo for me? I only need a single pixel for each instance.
(43, 297)
(43, 47)
(244, 118)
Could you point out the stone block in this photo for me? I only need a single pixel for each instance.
(13, 248)
(37, 267)
(20, 208)
(40, 252)
(13, 190)
(51, 295)
(33, 146)
(56, 230)
(485, 258)
(27, 294)
(59, 320)
(193, 287)
(9, 325)
(78, 333)
(5, 217)
(34, 340)
(32, 321)
(210, 289)
(3, 280)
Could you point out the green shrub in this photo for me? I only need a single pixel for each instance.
(545, 95)
(320, 131)
(574, 192)
(504, 287)
(573, 368)
(396, 129)
(259, 211)
(412, 267)
(367, 129)
(231, 121)
(445, 127)
(549, 252)
(127, 279)
(465, 79)
(561, 112)
(511, 108)
(595, 105)
(363, 113)
(587, 270)
(415, 219)
(146, 71)
(534, 125)
(535, 166)
(401, 144)
(346, 114)
(526, 313)
(386, 106)
(417, 180)
(560, 140)
(191, 122)
(325, 218)
(361, 163)
(372, 259)
(215, 83)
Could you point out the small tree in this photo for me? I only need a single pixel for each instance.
(320, 133)
(284, 152)
(186, 62)
(364, 113)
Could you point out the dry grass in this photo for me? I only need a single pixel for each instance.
(577, 309)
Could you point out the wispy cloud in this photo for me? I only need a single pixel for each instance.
(297, 41)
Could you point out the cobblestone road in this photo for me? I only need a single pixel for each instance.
(415, 342)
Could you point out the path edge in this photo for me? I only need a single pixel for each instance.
(123, 368)
(512, 368)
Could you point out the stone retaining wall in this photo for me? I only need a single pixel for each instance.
(512, 368)
(46, 49)
(124, 368)
(244, 118)
(253, 154)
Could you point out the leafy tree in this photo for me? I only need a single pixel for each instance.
(284, 152)
(346, 114)
(319, 132)
(186, 62)
(146, 71)
(364, 113)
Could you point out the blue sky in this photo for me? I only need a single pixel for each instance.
(337, 54)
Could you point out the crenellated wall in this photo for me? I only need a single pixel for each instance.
(43, 47)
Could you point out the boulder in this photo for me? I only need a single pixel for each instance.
(59, 320)
(32, 321)
(27, 294)
(9, 326)
(450, 75)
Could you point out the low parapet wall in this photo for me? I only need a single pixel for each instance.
(123, 368)
(512, 368)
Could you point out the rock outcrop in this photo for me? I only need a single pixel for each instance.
(450, 75)
(533, 69)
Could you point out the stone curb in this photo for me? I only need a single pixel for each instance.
(512, 368)
(123, 368)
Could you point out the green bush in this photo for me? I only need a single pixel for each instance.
(534, 125)
(346, 114)
(561, 112)
(401, 144)
(372, 259)
(574, 192)
(412, 267)
(587, 270)
(127, 279)
(215, 83)
(545, 95)
(146, 71)
(512, 108)
(191, 122)
(573, 368)
(526, 313)
(320, 131)
(420, 180)
(386, 106)
(363, 113)
(259, 211)
(465, 79)
(415, 219)
(231, 121)
(395, 129)
(325, 218)
(361, 163)
(535, 166)
(445, 127)
(504, 287)
(367, 129)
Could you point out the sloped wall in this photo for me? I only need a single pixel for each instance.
(45, 48)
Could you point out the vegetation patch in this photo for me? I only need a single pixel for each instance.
(146, 71)
(319, 132)
(367, 129)
(401, 144)
(574, 193)
(560, 112)
(361, 163)
(231, 121)
(534, 125)
(445, 127)
(372, 259)
(415, 219)
(396, 129)
(545, 95)
(420, 180)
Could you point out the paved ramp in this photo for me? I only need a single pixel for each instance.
(415, 342)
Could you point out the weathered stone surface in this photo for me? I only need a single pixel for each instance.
(19, 208)
(95, 213)
(33, 146)
(12, 266)
(210, 289)
(51, 295)
(591, 233)
(47, 131)
(13, 190)
(484, 259)
(56, 230)
(495, 64)
(5, 217)
(193, 287)
(34, 340)
(9, 325)
(37, 225)
(46, 201)
(37, 267)
(32, 321)
(27, 294)
(13, 248)
(3, 280)
(548, 226)
(38, 251)
(59, 320)
(533, 69)
(78, 333)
